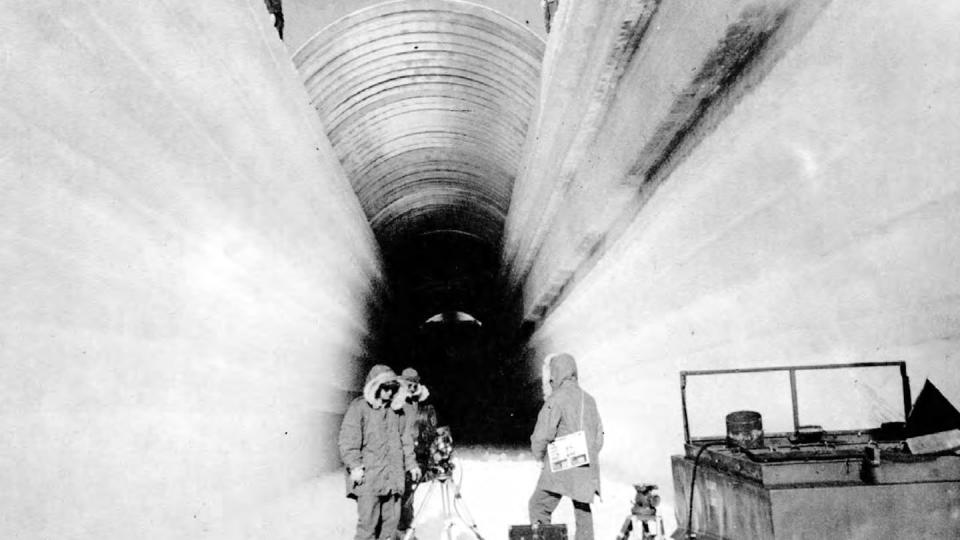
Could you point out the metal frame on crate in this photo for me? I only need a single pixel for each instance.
(793, 387)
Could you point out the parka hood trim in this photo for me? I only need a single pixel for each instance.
(378, 375)
(404, 395)
(422, 394)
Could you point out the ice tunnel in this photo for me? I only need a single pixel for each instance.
(427, 106)
(209, 234)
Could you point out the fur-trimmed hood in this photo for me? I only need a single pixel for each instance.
(406, 396)
(419, 396)
(379, 374)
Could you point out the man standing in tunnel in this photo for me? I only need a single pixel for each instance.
(566, 410)
(412, 394)
(377, 448)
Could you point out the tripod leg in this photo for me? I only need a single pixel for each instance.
(445, 495)
(419, 513)
(626, 528)
(469, 522)
(448, 520)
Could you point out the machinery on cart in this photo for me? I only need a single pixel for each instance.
(820, 472)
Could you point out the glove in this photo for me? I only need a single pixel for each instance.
(356, 475)
(414, 474)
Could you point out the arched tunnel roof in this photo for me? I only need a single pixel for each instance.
(426, 103)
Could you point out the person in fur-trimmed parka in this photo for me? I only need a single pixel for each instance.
(567, 409)
(411, 396)
(377, 448)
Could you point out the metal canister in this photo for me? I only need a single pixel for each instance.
(745, 430)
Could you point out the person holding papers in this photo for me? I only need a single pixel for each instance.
(567, 439)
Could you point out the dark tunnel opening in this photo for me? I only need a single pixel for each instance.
(476, 370)
(431, 139)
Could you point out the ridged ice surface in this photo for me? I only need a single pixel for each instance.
(426, 103)
(183, 269)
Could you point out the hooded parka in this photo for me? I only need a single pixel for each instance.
(561, 415)
(376, 437)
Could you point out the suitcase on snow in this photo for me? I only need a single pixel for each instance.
(542, 532)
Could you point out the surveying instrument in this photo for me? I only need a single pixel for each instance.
(439, 472)
(643, 522)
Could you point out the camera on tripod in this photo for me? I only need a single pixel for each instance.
(435, 458)
(438, 455)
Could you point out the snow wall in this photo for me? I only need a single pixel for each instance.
(817, 223)
(184, 274)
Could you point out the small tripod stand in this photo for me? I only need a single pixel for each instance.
(449, 498)
(643, 518)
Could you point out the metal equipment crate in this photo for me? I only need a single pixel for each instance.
(858, 483)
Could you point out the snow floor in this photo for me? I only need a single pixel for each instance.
(495, 486)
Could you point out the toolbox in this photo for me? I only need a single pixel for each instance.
(540, 532)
